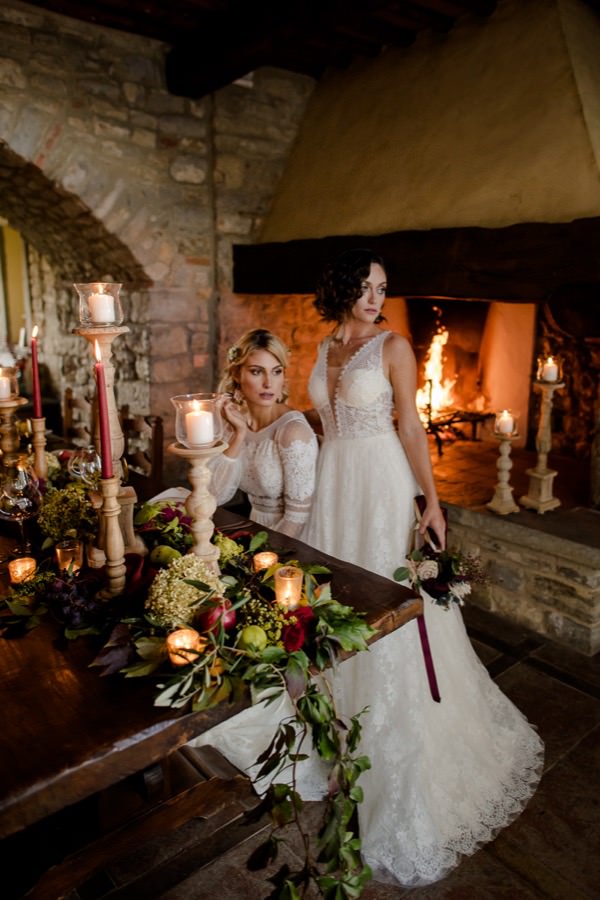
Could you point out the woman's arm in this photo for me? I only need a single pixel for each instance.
(401, 367)
(298, 450)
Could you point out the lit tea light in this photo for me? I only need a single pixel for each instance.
(69, 556)
(288, 586)
(199, 425)
(505, 422)
(21, 569)
(184, 645)
(264, 560)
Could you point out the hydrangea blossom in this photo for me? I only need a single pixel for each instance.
(172, 602)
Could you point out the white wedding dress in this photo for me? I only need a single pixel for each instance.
(276, 469)
(445, 777)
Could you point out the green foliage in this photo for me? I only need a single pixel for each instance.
(68, 512)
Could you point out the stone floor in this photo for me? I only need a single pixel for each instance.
(551, 851)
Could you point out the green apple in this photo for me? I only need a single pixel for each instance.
(162, 555)
(253, 637)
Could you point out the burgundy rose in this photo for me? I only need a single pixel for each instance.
(294, 633)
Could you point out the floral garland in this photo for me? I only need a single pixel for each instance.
(235, 637)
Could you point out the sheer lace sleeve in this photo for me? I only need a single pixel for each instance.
(226, 476)
(298, 450)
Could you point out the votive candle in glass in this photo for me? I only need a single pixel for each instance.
(197, 420)
(505, 423)
(21, 569)
(548, 369)
(9, 386)
(288, 586)
(69, 555)
(184, 645)
(264, 560)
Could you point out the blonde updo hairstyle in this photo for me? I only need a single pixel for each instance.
(237, 356)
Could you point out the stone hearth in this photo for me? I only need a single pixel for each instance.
(544, 570)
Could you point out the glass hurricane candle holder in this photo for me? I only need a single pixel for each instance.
(505, 424)
(288, 586)
(9, 384)
(549, 369)
(99, 304)
(197, 420)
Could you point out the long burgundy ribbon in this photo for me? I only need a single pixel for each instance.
(433, 685)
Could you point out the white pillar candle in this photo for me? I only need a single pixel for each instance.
(505, 423)
(199, 426)
(102, 308)
(5, 391)
(549, 370)
(21, 344)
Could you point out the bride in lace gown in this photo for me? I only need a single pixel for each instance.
(445, 777)
(272, 449)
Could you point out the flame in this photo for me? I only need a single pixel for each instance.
(436, 395)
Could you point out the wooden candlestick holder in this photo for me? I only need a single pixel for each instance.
(111, 538)
(40, 463)
(539, 494)
(502, 502)
(9, 438)
(201, 504)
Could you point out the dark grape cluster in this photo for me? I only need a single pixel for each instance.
(73, 603)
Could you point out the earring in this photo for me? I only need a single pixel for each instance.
(238, 397)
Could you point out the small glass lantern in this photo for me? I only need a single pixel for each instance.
(184, 646)
(505, 424)
(198, 420)
(288, 586)
(9, 384)
(549, 369)
(99, 304)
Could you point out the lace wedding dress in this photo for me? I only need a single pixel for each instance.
(445, 777)
(276, 469)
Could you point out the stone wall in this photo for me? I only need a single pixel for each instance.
(544, 581)
(109, 177)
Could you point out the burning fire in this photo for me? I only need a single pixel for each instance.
(436, 396)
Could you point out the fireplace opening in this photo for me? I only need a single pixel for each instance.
(474, 358)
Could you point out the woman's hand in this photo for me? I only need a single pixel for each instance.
(433, 518)
(232, 413)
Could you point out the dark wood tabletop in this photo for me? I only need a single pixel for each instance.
(68, 732)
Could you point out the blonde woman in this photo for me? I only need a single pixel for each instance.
(272, 451)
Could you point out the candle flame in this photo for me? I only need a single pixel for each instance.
(196, 405)
(97, 351)
(34, 332)
(550, 361)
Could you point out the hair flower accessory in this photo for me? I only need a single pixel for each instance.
(233, 353)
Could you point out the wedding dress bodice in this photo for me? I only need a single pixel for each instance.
(363, 402)
(276, 469)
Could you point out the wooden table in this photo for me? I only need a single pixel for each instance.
(67, 733)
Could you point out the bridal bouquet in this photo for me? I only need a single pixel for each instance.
(444, 575)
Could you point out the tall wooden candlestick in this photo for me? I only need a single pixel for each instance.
(201, 504)
(541, 478)
(502, 502)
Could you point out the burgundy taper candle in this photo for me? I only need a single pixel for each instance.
(35, 376)
(105, 447)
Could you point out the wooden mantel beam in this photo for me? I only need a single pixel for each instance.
(522, 263)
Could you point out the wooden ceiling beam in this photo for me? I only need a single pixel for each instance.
(520, 263)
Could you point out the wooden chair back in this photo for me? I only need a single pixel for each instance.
(143, 455)
(77, 416)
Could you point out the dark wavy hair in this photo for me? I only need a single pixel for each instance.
(339, 286)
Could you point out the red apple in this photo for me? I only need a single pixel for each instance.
(218, 608)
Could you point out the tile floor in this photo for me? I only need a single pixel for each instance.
(552, 850)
